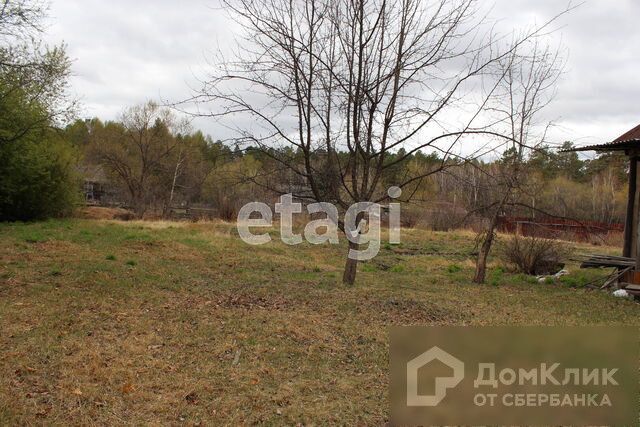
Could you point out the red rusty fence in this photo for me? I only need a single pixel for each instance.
(555, 228)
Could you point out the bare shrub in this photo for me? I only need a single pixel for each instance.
(125, 216)
(227, 209)
(613, 238)
(99, 212)
(446, 219)
(536, 255)
(411, 218)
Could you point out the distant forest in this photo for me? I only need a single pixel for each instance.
(152, 162)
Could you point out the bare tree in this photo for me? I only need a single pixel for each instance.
(30, 69)
(528, 84)
(138, 152)
(21, 19)
(346, 83)
(177, 172)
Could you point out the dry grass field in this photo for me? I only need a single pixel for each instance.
(107, 322)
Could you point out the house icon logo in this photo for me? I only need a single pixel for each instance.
(442, 384)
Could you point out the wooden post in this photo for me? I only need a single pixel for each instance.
(637, 243)
(636, 217)
(636, 235)
(631, 208)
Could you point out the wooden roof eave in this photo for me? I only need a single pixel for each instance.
(630, 147)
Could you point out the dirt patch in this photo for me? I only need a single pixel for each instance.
(409, 311)
(247, 301)
(97, 212)
(147, 225)
(58, 246)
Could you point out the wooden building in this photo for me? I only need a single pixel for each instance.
(96, 186)
(629, 143)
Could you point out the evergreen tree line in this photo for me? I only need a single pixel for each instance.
(153, 163)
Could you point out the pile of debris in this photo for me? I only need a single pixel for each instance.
(559, 274)
(620, 278)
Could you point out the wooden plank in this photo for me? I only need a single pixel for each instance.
(614, 278)
(610, 261)
(611, 257)
(605, 263)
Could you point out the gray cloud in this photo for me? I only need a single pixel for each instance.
(127, 52)
(597, 97)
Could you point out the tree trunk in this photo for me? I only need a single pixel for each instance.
(173, 185)
(485, 249)
(139, 209)
(351, 267)
(481, 264)
(137, 204)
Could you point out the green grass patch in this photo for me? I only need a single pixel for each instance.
(208, 330)
(397, 269)
(453, 268)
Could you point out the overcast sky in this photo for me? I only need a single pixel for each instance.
(126, 52)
